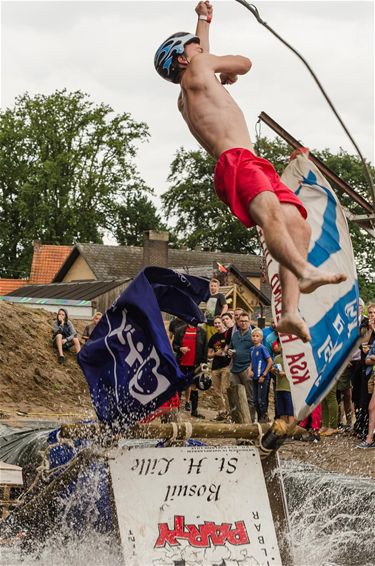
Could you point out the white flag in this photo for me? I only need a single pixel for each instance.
(331, 312)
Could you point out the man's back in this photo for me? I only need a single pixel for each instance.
(213, 117)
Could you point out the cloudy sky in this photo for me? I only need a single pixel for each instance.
(106, 49)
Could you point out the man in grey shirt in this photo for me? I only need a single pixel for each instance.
(240, 351)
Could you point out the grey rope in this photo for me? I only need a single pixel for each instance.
(255, 13)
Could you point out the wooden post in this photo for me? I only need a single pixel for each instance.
(277, 498)
(181, 431)
(239, 407)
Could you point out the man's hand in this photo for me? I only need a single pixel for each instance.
(184, 349)
(226, 79)
(250, 373)
(204, 9)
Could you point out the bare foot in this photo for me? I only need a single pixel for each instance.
(329, 432)
(294, 324)
(315, 278)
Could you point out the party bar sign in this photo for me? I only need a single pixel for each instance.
(191, 506)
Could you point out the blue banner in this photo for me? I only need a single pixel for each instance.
(128, 362)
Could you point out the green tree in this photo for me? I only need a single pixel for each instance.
(66, 170)
(199, 218)
(135, 216)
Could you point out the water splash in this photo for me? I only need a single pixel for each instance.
(331, 520)
(331, 516)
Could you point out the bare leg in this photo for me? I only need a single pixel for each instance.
(187, 394)
(287, 237)
(58, 340)
(348, 406)
(371, 424)
(291, 321)
(77, 345)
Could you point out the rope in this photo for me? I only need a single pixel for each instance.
(188, 430)
(175, 432)
(43, 470)
(258, 130)
(263, 452)
(172, 439)
(256, 14)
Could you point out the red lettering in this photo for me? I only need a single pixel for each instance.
(288, 338)
(293, 358)
(298, 367)
(239, 534)
(301, 378)
(202, 536)
(198, 536)
(167, 536)
(218, 533)
(278, 306)
(275, 282)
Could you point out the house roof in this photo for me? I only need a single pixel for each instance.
(207, 271)
(261, 296)
(83, 290)
(47, 260)
(114, 262)
(9, 285)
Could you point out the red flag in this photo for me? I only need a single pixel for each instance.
(222, 268)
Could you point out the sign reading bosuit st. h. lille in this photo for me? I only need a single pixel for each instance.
(193, 506)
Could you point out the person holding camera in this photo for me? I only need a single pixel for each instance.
(64, 335)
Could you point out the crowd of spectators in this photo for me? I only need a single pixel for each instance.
(239, 352)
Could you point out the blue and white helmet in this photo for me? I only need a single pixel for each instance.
(164, 56)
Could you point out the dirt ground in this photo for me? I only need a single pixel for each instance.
(34, 386)
(31, 380)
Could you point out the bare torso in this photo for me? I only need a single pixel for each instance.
(213, 117)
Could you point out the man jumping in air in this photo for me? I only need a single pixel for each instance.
(248, 184)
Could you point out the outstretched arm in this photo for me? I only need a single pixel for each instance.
(230, 66)
(204, 10)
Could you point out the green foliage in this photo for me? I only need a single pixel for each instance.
(66, 169)
(276, 151)
(201, 219)
(349, 168)
(366, 288)
(135, 216)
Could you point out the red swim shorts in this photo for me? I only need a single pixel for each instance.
(240, 176)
